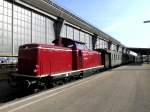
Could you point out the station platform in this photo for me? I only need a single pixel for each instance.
(123, 89)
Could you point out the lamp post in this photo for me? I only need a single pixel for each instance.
(147, 21)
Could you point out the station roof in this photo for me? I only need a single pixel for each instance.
(142, 51)
(58, 11)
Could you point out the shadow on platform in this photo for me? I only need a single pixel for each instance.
(132, 66)
(8, 93)
(135, 64)
(131, 69)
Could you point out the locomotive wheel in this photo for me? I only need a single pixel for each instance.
(81, 75)
(66, 79)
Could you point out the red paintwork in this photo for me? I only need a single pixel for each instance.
(91, 59)
(40, 59)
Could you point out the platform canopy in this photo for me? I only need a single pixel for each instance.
(142, 51)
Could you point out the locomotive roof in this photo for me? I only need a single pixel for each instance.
(35, 45)
(67, 40)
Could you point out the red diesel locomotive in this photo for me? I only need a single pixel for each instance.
(41, 64)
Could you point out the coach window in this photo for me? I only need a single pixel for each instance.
(117, 57)
(112, 57)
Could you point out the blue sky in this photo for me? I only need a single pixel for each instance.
(122, 19)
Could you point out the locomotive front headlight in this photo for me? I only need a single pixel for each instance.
(36, 69)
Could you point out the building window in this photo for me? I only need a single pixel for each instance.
(21, 27)
(97, 43)
(38, 28)
(69, 32)
(64, 31)
(106, 44)
(82, 37)
(50, 35)
(76, 35)
(87, 40)
(90, 42)
(103, 44)
(5, 28)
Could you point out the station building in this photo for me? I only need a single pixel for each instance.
(41, 21)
